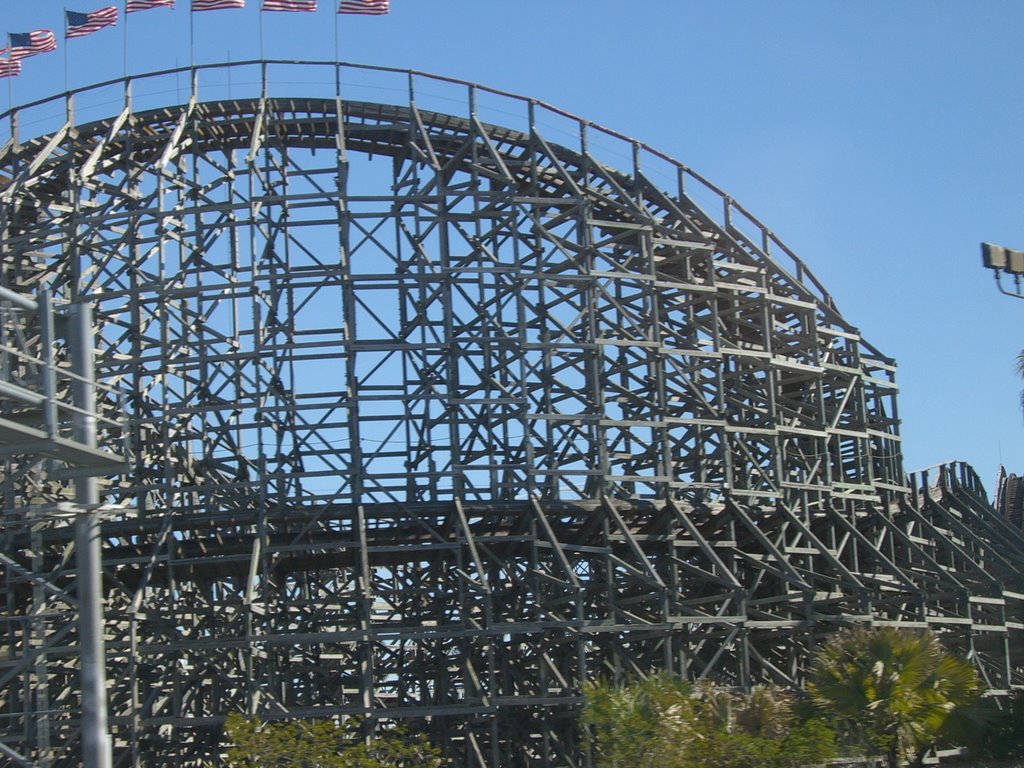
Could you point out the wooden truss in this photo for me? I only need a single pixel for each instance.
(433, 420)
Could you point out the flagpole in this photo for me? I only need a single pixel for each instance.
(337, 55)
(10, 105)
(191, 37)
(260, 12)
(10, 79)
(66, 47)
(125, 61)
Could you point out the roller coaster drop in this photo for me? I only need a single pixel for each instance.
(432, 420)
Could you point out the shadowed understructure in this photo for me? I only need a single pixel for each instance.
(432, 419)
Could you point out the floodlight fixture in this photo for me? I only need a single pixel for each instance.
(1001, 259)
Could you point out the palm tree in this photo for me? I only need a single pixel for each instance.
(767, 712)
(891, 689)
(1020, 372)
(645, 724)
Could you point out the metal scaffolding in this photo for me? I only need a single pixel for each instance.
(433, 419)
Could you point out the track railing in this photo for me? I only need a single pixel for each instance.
(446, 95)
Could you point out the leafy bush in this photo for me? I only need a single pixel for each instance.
(322, 744)
(663, 722)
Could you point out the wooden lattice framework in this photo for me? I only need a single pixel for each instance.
(432, 420)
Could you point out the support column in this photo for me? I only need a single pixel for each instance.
(95, 738)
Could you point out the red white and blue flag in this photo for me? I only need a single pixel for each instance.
(82, 24)
(216, 5)
(25, 44)
(144, 5)
(9, 68)
(367, 7)
(289, 5)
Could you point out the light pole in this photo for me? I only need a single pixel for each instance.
(44, 435)
(89, 562)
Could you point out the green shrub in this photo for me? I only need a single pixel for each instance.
(322, 744)
(663, 722)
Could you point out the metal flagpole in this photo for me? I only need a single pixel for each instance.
(65, 48)
(337, 55)
(260, 12)
(191, 37)
(125, 62)
(10, 77)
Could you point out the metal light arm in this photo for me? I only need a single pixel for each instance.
(1017, 288)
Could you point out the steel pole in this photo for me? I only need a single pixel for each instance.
(95, 738)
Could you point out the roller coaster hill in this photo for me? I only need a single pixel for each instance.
(437, 402)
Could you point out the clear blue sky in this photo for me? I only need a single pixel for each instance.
(882, 141)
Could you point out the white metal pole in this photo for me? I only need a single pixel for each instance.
(88, 558)
(125, 47)
(10, 77)
(65, 48)
(260, 13)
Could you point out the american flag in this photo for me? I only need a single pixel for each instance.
(368, 7)
(289, 5)
(145, 5)
(82, 24)
(216, 5)
(9, 68)
(25, 44)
